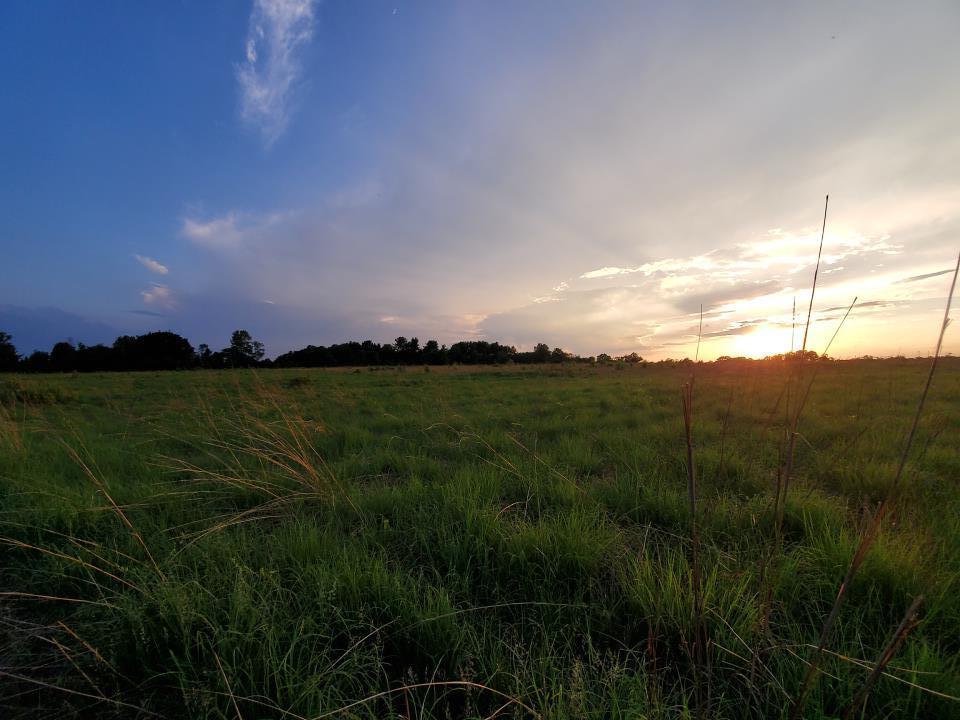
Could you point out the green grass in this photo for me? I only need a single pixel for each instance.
(301, 542)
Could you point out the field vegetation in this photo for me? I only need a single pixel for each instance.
(476, 542)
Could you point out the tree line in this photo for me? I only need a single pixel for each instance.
(151, 351)
(170, 351)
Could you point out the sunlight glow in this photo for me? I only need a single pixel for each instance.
(762, 342)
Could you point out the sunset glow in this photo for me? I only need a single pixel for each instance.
(763, 342)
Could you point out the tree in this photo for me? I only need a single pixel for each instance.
(153, 351)
(63, 357)
(95, 358)
(432, 353)
(8, 353)
(541, 353)
(39, 361)
(209, 359)
(244, 351)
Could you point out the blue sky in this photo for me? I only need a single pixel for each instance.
(586, 174)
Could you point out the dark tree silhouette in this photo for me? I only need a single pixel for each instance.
(244, 351)
(153, 351)
(9, 360)
(96, 358)
(169, 351)
(63, 357)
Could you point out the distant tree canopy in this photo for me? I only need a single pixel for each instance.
(244, 351)
(9, 360)
(152, 351)
(168, 351)
(409, 352)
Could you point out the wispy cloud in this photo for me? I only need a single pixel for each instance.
(230, 231)
(607, 272)
(159, 296)
(925, 276)
(152, 265)
(216, 232)
(278, 28)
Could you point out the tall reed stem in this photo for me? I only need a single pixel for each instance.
(873, 528)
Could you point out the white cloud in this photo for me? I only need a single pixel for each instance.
(159, 296)
(277, 30)
(232, 230)
(217, 232)
(152, 265)
(607, 272)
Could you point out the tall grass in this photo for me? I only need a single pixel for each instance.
(875, 521)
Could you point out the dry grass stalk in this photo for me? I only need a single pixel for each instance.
(118, 511)
(226, 682)
(816, 271)
(873, 527)
(908, 623)
(700, 652)
(784, 474)
(783, 485)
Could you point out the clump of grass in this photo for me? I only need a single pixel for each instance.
(267, 456)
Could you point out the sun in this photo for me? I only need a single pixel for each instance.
(763, 341)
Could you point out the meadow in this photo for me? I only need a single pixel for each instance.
(476, 542)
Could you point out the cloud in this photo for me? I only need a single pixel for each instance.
(278, 28)
(860, 306)
(588, 321)
(608, 272)
(729, 294)
(218, 232)
(146, 313)
(744, 327)
(152, 265)
(924, 276)
(159, 295)
(660, 184)
(233, 230)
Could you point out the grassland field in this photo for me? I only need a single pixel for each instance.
(471, 542)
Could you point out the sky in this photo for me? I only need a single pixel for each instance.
(585, 174)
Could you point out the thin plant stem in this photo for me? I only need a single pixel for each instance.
(816, 271)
